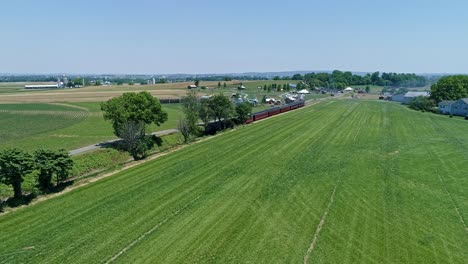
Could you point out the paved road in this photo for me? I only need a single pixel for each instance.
(106, 143)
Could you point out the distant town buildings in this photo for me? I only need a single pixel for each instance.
(151, 81)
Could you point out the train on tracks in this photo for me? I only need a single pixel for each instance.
(274, 111)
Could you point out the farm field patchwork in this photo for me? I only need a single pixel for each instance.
(13, 92)
(68, 125)
(342, 181)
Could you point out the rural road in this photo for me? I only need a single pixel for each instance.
(106, 143)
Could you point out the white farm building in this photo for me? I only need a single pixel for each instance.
(407, 97)
(459, 107)
(41, 86)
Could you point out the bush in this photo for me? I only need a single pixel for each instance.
(466, 117)
(98, 160)
(422, 103)
(451, 116)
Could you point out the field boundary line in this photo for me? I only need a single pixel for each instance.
(154, 228)
(320, 225)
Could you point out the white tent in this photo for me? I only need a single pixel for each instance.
(348, 89)
(304, 91)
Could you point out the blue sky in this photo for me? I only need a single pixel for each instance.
(140, 36)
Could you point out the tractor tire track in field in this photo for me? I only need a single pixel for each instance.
(70, 105)
(154, 228)
(444, 186)
(320, 225)
(331, 200)
(442, 181)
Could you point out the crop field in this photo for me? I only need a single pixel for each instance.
(343, 181)
(13, 92)
(69, 126)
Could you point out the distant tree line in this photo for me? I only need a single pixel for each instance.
(28, 78)
(340, 80)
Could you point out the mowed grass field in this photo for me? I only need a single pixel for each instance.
(68, 125)
(384, 184)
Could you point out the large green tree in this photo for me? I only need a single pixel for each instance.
(50, 163)
(450, 88)
(220, 108)
(204, 112)
(190, 108)
(14, 165)
(130, 113)
(243, 111)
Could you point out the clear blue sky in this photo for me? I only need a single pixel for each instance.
(140, 36)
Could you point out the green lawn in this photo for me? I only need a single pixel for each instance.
(391, 182)
(69, 126)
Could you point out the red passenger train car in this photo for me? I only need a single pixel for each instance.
(274, 111)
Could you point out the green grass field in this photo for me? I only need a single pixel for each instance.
(69, 126)
(385, 184)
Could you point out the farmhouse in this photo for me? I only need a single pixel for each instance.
(348, 89)
(408, 97)
(460, 107)
(192, 86)
(41, 86)
(445, 107)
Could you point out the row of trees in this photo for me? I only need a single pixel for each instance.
(339, 80)
(131, 113)
(15, 164)
(296, 76)
(217, 108)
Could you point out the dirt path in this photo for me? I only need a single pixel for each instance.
(320, 225)
(154, 228)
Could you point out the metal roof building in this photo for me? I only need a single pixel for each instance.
(407, 97)
(41, 86)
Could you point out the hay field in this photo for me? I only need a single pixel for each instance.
(345, 181)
